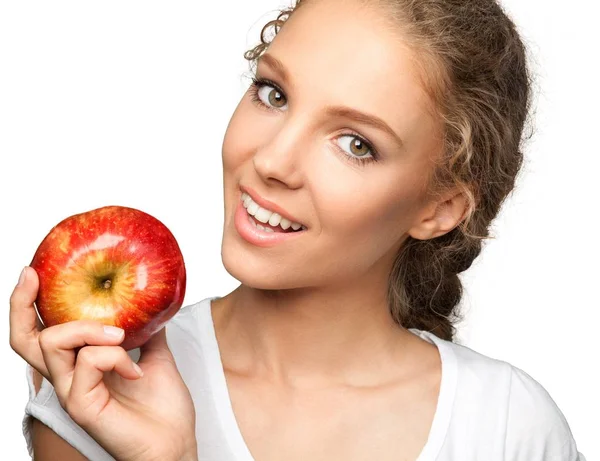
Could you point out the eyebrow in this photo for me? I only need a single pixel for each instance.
(334, 111)
(366, 119)
(277, 66)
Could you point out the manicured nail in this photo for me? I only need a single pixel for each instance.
(113, 332)
(137, 369)
(22, 277)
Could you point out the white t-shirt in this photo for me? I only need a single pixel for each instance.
(487, 410)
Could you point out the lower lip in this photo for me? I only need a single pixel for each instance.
(256, 236)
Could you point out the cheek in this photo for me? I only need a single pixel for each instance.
(244, 135)
(364, 202)
(233, 140)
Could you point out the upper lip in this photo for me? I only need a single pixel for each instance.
(271, 206)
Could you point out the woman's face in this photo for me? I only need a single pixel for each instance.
(341, 138)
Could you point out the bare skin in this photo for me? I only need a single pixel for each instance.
(315, 365)
(99, 387)
(311, 353)
(371, 409)
(48, 446)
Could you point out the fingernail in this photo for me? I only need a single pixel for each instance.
(137, 369)
(22, 277)
(113, 332)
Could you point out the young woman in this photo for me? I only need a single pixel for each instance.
(362, 170)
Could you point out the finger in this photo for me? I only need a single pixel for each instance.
(24, 320)
(88, 394)
(58, 344)
(156, 348)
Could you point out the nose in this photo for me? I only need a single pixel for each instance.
(280, 158)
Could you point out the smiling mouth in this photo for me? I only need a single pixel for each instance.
(266, 227)
(267, 220)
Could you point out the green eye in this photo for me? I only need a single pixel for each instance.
(268, 95)
(276, 99)
(355, 146)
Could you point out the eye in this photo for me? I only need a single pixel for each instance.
(356, 146)
(268, 94)
(274, 97)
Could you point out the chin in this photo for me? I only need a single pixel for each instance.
(256, 272)
(251, 275)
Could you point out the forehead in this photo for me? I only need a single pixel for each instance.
(345, 52)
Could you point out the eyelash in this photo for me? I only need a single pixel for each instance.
(258, 82)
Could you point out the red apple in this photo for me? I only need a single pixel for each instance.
(115, 265)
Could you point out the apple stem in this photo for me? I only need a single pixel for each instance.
(107, 284)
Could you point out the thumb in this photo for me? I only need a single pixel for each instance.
(156, 348)
(23, 317)
(24, 320)
(26, 290)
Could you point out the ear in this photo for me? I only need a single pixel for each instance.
(440, 216)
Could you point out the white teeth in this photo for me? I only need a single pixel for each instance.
(275, 219)
(263, 215)
(285, 223)
(252, 208)
(262, 228)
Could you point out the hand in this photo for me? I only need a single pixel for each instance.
(133, 417)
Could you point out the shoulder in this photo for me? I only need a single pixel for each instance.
(191, 338)
(190, 334)
(191, 321)
(535, 420)
(495, 393)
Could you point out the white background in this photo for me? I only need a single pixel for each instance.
(126, 102)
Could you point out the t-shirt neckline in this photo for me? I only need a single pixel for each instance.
(231, 429)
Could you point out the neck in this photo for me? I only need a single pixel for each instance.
(309, 336)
